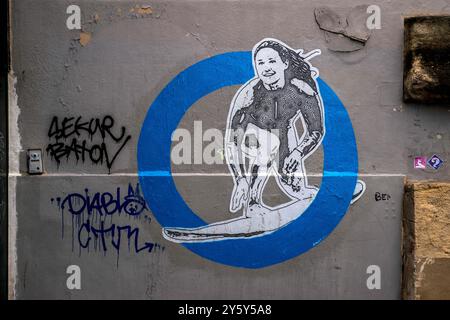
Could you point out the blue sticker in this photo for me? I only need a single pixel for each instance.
(435, 162)
(340, 168)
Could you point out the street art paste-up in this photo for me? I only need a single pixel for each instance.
(279, 86)
(261, 127)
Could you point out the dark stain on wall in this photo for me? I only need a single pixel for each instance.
(426, 65)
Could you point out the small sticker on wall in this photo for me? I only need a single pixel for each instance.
(435, 162)
(420, 163)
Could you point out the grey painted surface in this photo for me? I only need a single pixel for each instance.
(120, 72)
(335, 269)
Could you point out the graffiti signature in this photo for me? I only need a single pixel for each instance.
(71, 129)
(89, 212)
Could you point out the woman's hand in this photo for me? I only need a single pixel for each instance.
(240, 194)
(292, 162)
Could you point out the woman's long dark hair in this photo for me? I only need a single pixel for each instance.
(297, 68)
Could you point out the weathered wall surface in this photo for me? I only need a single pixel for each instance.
(426, 221)
(114, 69)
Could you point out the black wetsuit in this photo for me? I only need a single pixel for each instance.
(274, 109)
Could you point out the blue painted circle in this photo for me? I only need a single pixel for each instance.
(154, 165)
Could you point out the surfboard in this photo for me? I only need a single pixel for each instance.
(242, 227)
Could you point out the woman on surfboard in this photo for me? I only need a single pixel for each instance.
(261, 128)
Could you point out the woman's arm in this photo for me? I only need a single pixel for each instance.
(234, 134)
(312, 113)
(313, 119)
(235, 129)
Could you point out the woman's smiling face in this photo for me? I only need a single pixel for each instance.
(270, 67)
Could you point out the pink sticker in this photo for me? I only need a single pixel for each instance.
(420, 162)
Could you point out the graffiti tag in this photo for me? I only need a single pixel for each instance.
(92, 219)
(382, 196)
(73, 137)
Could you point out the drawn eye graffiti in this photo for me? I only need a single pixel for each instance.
(133, 205)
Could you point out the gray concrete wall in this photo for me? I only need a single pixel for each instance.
(119, 71)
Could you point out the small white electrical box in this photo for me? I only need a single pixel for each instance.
(35, 161)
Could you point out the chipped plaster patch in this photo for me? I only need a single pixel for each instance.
(343, 33)
(85, 38)
(145, 10)
(15, 148)
(420, 275)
